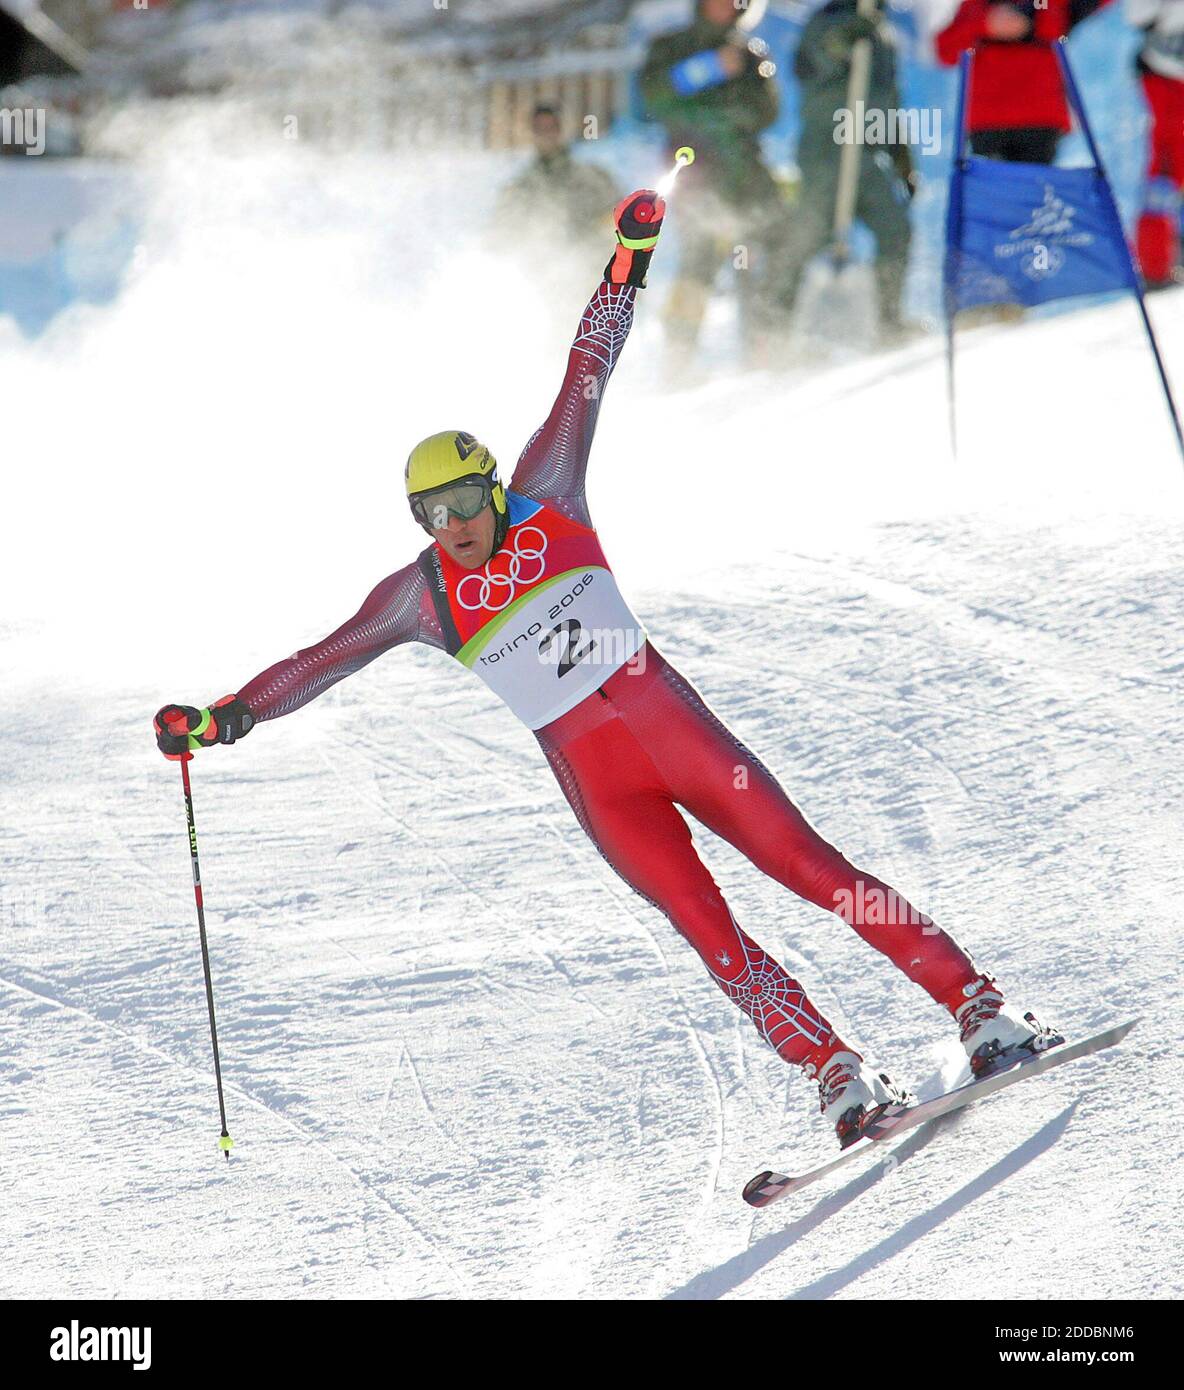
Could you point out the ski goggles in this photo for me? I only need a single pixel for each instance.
(464, 499)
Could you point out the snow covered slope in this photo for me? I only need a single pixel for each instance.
(461, 1058)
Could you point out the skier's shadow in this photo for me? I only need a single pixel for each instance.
(734, 1272)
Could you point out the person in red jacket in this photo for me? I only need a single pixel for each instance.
(1160, 65)
(1017, 108)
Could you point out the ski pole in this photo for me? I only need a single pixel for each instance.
(226, 1143)
(858, 79)
(682, 157)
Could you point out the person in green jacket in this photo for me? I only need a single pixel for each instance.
(549, 220)
(712, 86)
(886, 175)
(567, 195)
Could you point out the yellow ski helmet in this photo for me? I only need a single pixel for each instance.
(437, 464)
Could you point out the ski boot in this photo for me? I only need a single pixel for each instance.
(853, 1095)
(995, 1034)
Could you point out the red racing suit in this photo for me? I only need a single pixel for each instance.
(628, 738)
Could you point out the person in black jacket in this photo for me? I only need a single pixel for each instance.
(886, 174)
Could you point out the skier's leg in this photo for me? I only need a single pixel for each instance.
(726, 787)
(624, 808)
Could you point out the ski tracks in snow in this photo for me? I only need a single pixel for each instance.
(235, 1091)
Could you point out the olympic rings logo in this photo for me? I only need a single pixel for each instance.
(488, 584)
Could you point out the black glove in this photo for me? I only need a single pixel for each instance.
(182, 729)
(639, 223)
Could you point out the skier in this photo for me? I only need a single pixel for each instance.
(516, 587)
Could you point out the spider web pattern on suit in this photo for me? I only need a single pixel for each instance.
(774, 1000)
(553, 465)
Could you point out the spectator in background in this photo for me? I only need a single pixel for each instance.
(553, 217)
(570, 201)
(1018, 109)
(886, 175)
(712, 87)
(1160, 65)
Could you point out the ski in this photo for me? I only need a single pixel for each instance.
(768, 1187)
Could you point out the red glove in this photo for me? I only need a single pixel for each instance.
(181, 729)
(639, 223)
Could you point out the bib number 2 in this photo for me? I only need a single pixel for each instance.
(566, 644)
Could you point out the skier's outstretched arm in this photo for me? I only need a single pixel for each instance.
(554, 462)
(391, 615)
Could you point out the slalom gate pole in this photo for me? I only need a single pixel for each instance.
(954, 241)
(225, 1143)
(1116, 220)
(1163, 376)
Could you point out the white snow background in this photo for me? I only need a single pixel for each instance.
(461, 1058)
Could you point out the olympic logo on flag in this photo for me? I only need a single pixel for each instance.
(487, 584)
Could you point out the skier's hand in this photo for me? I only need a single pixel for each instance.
(638, 220)
(182, 729)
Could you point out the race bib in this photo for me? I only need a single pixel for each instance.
(543, 623)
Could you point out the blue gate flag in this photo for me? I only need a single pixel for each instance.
(1031, 233)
